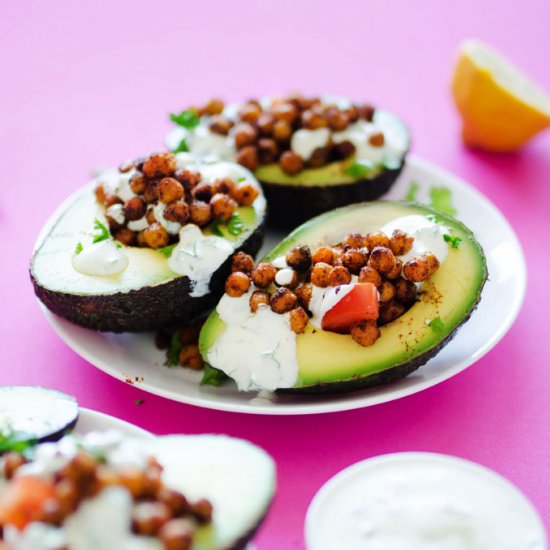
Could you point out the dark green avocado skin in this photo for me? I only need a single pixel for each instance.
(146, 309)
(292, 205)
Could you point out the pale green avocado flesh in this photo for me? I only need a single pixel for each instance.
(326, 358)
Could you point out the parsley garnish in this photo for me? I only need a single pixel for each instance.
(215, 227)
(412, 193)
(14, 441)
(173, 358)
(182, 147)
(234, 225)
(212, 376)
(361, 169)
(437, 324)
(78, 248)
(188, 119)
(454, 241)
(166, 251)
(102, 232)
(241, 179)
(441, 199)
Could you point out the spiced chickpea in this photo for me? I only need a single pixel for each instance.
(299, 258)
(401, 242)
(248, 157)
(390, 311)
(223, 206)
(285, 111)
(304, 292)
(366, 112)
(169, 190)
(433, 262)
(250, 112)
(419, 269)
(396, 271)
(267, 150)
(151, 192)
(150, 216)
(149, 517)
(12, 461)
(369, 275)
(365, 333)
(258, 298)
(155, 236)
(214, 107)
(377, 238)
(188, 179)
(319, 157)
(263, 275)
(177, 212)
(387, 291)
(220, 125)
(100, 194)
(282, 130)
(110, 200)
(291, 163)
(159, 165)
(243, 262)
(298, 320)
(237, 284)
(405, 291)
(202, 510)
(337, 253)
(244, 134)
(323, 254)
(377, 139)
(176, 501)
(354, 259)
(283, 300)
(190, 357)
(66, 493)
(245, 193)
(125, 236)
(353, 113)
(313, 120)
(337, 119)
(204, 191)
(134, 208)
(126, 166)
(382, 259)
(354, 240)
(201, 213)
(265, 124)
(320, 274)
(177, 534)
(138, 183)
(343, 150)
(224, 185)
(339, 275)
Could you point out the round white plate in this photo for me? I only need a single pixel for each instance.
(90, 421)
(133, 357)
(337, 515)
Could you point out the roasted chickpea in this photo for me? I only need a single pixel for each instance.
(170, 190)
(134, 208)
(155, 236)
(283, 300)
(100, 194)
(151, 192)
(405, 291)
(313, 120)
(387, 291)
(319, 157)
(214, 107)
(390, 311)
(339, 275)
(223, 206)
(282, 131)
(382, 259)
(354, 240)
(420, 268)
(265, 124)
(248, 157)
(177, 534)
(188, 179)
(177, 212)
(337, 119)
(224, 185)
(245, 193)
(396, 271)
(353, 113)
(365, 333)
(138, 183)
(354, 259)
(150, 216)
(242, 261)
(201, 213)
(126, 166)
(343, 150)
(337, 253)
(67, 494)
(202, 510)
(323, 254)
(237, 284)
(190, 357)
(159, 164)
(377, 238)
(125, 236)
(366, 112)
(299, 258)
(304, 292)
(250, 112)
(285, 111)
(320, 274)
(401, 242)
(220, 125)
(263, 275)
(377, 139)
(258, 298)
(433, 262)
(176, 502)
(369, 275)
(149, 517)
(244, 134)
(11, 463)
(204, 191)
(298, 320)
(267, 150)
(111, 200)
(133, 478)
(291, 163)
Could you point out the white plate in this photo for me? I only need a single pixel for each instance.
(134, 358)
(338, 510)
(89, 421)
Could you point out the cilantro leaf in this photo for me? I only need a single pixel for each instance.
(78, 249)
(188, 119)
(441, 199)
(102, 233)
(241, 179)
(412, 193)
(166, 251)
(454, 241)
(235, 225)
(215, 227)
(182, 147)
(212, 376)
(15, 441)
(173, 357)
(437, 324)
(361, 169)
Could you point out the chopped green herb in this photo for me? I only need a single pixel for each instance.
(174, 350)
(441, 199)
(212, 376)
(412, 193)
(166, 251)
(182, 147)
(102, 232)
(454, 241)
(187, 119)
(437, 324)
(118, 245)
(235, 225)
(15, 441)
(139, 402)
(241, 179)
(215, 227)
(78, 249)
(361, 169)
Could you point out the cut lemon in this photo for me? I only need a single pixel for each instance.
(501, 108)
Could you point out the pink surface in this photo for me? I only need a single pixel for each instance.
(86, 85)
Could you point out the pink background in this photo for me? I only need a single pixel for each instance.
(90, 85)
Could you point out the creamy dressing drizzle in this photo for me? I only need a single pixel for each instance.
(116, 211)
(170, 226)
(101, 259)
(324, 299)
(304, 142)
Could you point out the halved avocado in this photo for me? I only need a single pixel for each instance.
(330, 362)
(147, 295)
(294, 199)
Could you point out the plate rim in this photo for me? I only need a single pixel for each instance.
(328, 406)
(118, 423)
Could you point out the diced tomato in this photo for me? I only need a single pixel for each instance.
(359, 304)
(22, 501)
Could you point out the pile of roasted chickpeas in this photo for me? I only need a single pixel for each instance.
(186, 197)
(262, 135)
(362, 258)
(158, 510)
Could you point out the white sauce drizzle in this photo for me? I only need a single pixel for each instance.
(138, 225)
(101, 259)
(304, 142)
(116, 211)
(284, 276)
(170, 226)
(324, 299)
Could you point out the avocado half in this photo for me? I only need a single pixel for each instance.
(328, 361)
(147, 295)
(294, 199)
